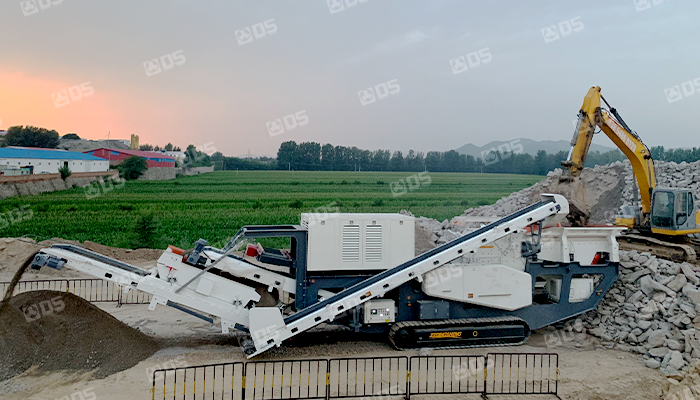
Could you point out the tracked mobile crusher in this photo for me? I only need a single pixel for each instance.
(488, 287)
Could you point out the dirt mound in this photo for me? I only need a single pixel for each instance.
(60, 331)
(13, 252)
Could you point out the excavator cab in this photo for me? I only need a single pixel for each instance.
(673, 212)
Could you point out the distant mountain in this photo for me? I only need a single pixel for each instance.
(529, 146)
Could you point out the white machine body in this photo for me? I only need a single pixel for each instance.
(494, 276)
(487, 268)
(358, 242)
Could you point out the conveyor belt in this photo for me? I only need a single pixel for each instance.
(368, 282)
(99, 257)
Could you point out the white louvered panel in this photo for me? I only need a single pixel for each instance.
(351, 243)
(373, 243)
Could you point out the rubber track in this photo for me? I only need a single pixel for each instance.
(690, 254)
(450, 323)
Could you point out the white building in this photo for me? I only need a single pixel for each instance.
(48, 161)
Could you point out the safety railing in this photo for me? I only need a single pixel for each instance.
(447, 375)
(522, 373)
(92, 290)
(220, 381)
(297, 379)
(367, 377)
(364, 377)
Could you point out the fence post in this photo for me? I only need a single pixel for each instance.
(409, 366)
(119, 295)
(328, 378)
(245, 374)
(486, 373)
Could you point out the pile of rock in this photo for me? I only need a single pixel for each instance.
(652, 309)
(602, 191)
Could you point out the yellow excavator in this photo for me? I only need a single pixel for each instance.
(665, 221)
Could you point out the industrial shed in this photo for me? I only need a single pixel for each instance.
(31, 160)
(116, 156)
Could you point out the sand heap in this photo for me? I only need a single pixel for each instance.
(60, 331)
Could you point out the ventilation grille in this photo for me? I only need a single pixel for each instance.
(351, 243)
(373, 243)
(305, 223)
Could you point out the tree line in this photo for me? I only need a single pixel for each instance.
(312, 156)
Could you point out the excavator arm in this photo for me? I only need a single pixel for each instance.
(591, 116)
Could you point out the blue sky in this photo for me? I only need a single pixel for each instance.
(314, 57)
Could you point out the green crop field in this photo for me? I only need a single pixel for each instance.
(214, 206)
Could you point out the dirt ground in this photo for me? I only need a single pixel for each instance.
(587, 370)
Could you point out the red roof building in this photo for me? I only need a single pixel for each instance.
(116, 156)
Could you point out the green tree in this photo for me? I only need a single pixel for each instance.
(397, 161)
(65, 172)
(168, 147)
(147, 232)
(132, 167)
(288, 155)
(71, 136)
(31, 136)
(194, 158)
(146, 147)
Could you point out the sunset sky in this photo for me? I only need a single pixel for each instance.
(317, 55)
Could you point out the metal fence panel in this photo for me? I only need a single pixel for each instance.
(522, 373)
(368, 377)
(28, 286)
(300, 379)
(216, 381)
(447, 374)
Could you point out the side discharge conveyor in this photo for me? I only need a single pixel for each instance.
(358, 270)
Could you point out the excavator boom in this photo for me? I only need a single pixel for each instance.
(666, 213)
(592, 116)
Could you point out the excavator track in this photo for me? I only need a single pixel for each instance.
(459, 333)
(660, 248)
